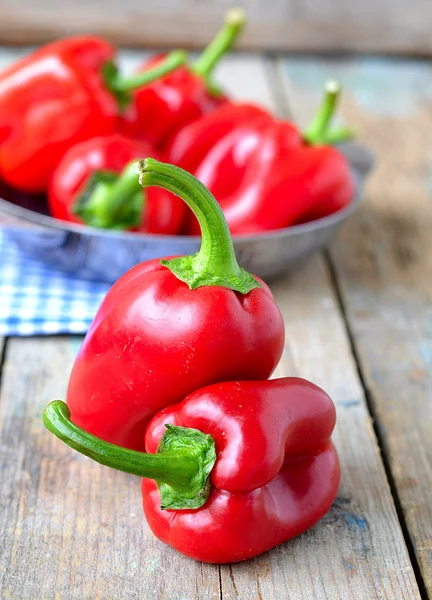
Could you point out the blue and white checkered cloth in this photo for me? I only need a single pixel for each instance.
(36, 299)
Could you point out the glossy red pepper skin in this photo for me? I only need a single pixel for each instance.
(194, 141)
(272, 179)
(330, 179)
(276, 474)
(320, 183)
(279, 191)
(162, 108)
(249, 154)
(230, 137)
(163, 212)
(49, 101)
(154, 341)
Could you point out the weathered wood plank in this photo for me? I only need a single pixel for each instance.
(73, 529)
(383, 262)
(398, 26)
(2, 347)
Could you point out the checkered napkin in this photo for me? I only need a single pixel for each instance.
(38, 300)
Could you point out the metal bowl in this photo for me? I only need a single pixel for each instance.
(103, 255)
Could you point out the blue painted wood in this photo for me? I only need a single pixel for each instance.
(381, 86)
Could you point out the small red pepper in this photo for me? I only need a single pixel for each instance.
(163, 108)
(275, 176)
(95, 183)
(234, 470)
(63, 93)
(171, 326)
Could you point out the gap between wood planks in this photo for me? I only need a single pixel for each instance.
(3, 345)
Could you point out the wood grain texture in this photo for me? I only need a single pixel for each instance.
(72, 529)
(385, 26)
(383, 262)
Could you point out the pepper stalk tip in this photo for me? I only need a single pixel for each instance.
(235, 16)
(139, 167)
(332, 86)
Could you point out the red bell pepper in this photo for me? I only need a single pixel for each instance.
(232, 471)
(163, 108)
(63, 93)
(96, 184)
(274, 176)
(169, 327)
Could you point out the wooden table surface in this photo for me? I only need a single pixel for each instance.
(358, 323)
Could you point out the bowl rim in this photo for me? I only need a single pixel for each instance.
(49, 222)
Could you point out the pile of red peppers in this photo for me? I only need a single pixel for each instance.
(172, 380)
(172, 384)
(71, 127)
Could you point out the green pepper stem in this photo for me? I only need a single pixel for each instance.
(171, 62)
(177, 468)
(215, 263)
(111, 201)
(235, 20)
(318, 131)
(121, 191)
(338, 135)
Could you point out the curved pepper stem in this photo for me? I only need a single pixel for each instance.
(234, 22)
(181, 466)
(215, 263)
(111, 201)
(121, 86)
(319, 131)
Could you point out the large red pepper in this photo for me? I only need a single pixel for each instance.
(239, 467)
(63, 93)
(163, 108)
(168, 327)
(95, 183)
(274, 176)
